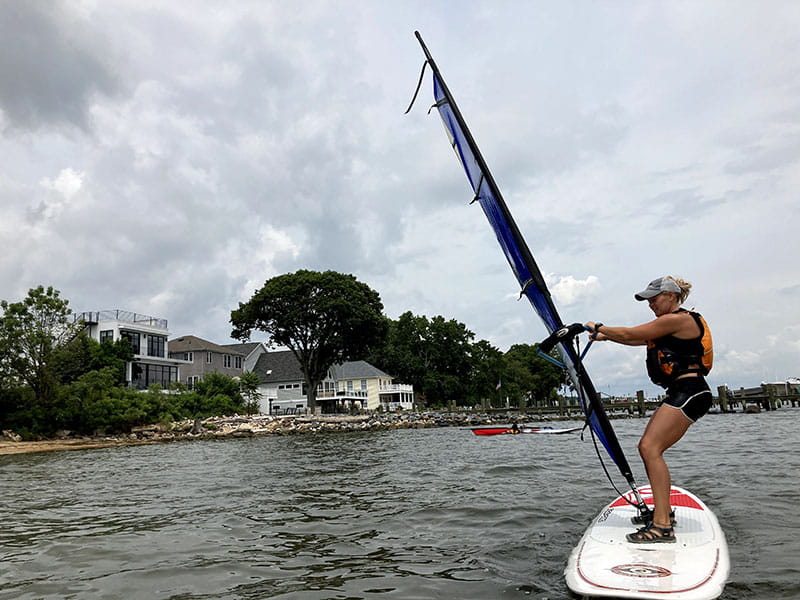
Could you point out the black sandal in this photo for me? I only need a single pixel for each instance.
(652, 534)
(647, 518)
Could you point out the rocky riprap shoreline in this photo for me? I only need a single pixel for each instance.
(256, 425)
(246, 426)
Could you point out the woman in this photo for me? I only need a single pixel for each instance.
(679, 354)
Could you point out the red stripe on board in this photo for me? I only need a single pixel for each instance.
(676, 498)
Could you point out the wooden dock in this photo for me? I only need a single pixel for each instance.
(749, 400)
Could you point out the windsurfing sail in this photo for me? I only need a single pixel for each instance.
(522, 263)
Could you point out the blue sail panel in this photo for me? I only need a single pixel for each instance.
(522, 263)
(491, 208)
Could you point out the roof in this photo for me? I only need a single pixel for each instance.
(245, 348)
(192, 343)
(357, 369)
(273, 367)
(277, 366)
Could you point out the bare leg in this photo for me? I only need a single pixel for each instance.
(666, 426)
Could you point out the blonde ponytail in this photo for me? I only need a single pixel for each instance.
(685, 288)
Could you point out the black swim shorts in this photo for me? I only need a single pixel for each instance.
(691, 395)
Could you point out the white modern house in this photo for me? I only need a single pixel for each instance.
(148, 338)
(351, 385)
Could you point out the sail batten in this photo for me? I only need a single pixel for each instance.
(520, 259)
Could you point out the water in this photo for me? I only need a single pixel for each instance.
(435, 513)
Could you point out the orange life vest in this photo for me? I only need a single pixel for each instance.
(669, 357)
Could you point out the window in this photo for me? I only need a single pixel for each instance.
(349, 386)
(188, 356)
(238, 362)
(191, 381)
(133, 338)
(363, 384)
(226, 361)
(107, 335)
(144, 375)
(156, 345)
(208, 357)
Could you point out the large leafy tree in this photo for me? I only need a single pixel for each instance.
(404, 353)
(530, 377)
(30, 332)
(432, 354)
(324, 318)
(449, 347)
(83, 354)
(486, 371)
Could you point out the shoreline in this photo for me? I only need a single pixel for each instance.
(257, 425)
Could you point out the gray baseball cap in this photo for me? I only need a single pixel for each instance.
(655, 287)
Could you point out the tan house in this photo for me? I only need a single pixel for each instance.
(351, 385)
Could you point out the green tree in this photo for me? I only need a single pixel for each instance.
(448, 365)
(218, 394)
(433, 355)
(529, 377)
(30, 332)
(248, 386)
(84, 354)
(487, 364)
(404, 353)
(323, 318)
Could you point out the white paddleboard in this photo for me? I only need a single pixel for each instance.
(695, 567)
(550, 430)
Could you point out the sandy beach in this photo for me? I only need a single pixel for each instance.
(8, 447)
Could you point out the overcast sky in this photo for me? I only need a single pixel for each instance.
(169, 157)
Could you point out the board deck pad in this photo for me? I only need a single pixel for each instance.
(695, 567)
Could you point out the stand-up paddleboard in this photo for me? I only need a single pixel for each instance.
(695, 567)
(508, 430)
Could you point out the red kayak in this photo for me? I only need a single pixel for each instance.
(490, 430)
(508, 430)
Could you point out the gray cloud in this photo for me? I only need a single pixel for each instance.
(48, 65)
(169, 161)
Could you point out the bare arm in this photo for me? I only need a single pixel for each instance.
(678, 324)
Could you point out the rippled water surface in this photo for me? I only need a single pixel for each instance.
(434, 513)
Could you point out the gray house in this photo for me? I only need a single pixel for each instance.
(202, 356)
(251, 352)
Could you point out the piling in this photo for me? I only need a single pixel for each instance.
(722, 393)
(640, 402)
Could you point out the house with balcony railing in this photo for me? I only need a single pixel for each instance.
(348, 386)
(147, 336)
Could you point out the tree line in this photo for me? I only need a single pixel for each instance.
(448, 367)
(54, 377)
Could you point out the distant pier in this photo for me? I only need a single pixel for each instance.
(766, 397)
